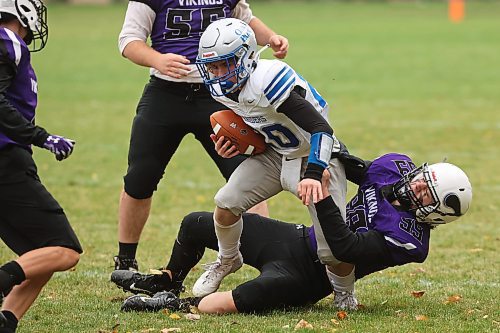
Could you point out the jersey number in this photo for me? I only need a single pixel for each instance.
(179, 21)
(355, 214)
(412, 227)
(281, 136)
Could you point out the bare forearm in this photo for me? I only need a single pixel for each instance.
(265, 35)
(262, 32)
(140, 53)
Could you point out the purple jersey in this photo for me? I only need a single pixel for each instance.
(405, 239)
(179, 23)
(369, 210)
(22, 93)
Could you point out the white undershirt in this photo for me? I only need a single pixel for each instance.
(138, 25)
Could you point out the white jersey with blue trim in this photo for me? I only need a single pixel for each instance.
(265, 90)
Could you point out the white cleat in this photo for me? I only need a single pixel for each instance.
(345, 300)
(215, 272)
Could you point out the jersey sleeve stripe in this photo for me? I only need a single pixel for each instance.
(285, 88)
(16, 45)
(317, 96)
(407, 246)
(274, 80)
(279, 85)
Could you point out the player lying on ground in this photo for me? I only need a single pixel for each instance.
(388, 224)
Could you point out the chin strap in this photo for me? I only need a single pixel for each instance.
(257, 55)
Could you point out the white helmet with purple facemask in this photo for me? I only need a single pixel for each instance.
(231, 40)
(32, 14)
(449, 187)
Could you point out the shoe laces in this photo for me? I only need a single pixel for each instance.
(343, 297)
(216, 268)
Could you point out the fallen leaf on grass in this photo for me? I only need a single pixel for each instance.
(418, 294)
(334, 321)
(194, 309)
(174, 316)
(170, 330)
(192, 316)
(485, 316)
(303, 324)
(342, 315)
(453, 299)
(417, 271)
(477, 249)
(421, 317)
(286, 327)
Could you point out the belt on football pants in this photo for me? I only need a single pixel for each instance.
(181, 86)
(308, 240)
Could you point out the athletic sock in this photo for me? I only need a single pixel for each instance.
(11, 274)
(341, 283)
(229, 238)
(127, 250)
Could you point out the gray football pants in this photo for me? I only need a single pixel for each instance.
(264, 175)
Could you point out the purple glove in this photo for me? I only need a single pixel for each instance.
(59, 146)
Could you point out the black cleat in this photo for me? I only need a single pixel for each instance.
(125, 263)
(149, 284)
(160, 301)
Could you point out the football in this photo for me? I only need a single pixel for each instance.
(228, 124)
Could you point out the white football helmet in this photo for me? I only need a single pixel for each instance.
(449, 187)
(32, 14)
(231, 40)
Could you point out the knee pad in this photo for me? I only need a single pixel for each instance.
(193, 224)
(142, 178)
(233, 203)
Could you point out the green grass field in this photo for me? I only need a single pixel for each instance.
(399, 77)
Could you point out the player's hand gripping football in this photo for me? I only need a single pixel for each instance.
(60, 146)
(223, 147)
